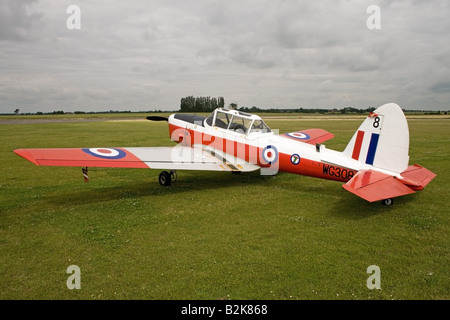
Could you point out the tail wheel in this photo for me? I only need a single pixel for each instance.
(388, 202)
(164, 178)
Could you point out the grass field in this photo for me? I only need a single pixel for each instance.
(215, 235)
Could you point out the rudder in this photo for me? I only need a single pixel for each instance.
(382, 140)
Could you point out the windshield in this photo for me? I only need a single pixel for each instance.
(238, 122)
(260, 126)
(222, 120)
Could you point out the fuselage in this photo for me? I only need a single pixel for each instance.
(278, 153)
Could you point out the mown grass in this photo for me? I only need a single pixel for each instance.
(214, 235)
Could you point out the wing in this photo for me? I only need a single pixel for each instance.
(187, 158)
(373, 186)
(311, 136)
(82, 157)
(170, 158)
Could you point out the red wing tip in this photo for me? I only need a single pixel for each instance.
(26, 154)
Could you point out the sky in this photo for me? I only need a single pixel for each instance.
(141, 55)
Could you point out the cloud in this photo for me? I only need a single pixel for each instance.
(18, 21)
(141, 55)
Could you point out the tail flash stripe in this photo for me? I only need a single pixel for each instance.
(372, 148)
(358, 144)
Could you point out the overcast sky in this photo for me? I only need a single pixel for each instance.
(145, 55)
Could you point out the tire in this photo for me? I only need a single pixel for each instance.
(164, 179)
(388, 202)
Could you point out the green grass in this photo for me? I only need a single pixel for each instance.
(214, 235)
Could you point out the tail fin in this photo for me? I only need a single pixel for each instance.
(382, 140)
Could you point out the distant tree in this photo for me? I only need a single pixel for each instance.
(200, 104)
(221, 102)
(16, 111)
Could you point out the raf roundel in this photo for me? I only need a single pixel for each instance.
(270, 154)
(299, 135)
(106, 153)
(295, 159)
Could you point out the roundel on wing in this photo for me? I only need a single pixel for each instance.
(299, 135)
(105, 153)
(270, 154)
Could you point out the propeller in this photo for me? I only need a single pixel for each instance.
(157, 118)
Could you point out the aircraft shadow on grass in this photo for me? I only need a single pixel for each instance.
(341, 204)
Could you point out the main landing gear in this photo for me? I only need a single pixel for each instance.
(388, 202)
(166, 178)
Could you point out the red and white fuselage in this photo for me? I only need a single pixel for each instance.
(296, 152)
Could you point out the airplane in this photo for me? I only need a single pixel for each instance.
(374, 165)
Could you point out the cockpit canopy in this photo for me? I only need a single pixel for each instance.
(237, 121)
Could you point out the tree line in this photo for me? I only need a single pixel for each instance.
(346, 110)
(208, 104)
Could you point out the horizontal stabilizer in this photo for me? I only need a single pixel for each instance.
(417, 177)
(374, 186)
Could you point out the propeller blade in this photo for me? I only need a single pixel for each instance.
(157, 118)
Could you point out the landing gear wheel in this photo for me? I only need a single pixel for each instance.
(388, 202)
(173, 176)
(164, 178)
